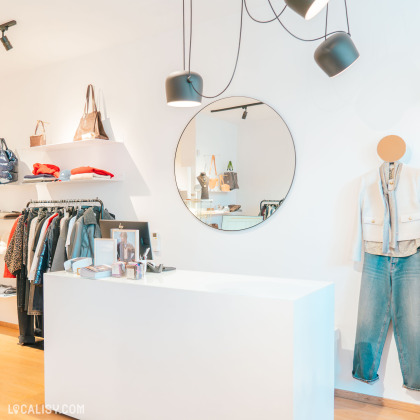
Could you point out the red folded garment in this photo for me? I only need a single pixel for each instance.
(46, 168)
(88, 170)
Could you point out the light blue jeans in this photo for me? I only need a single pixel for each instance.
(390, 290)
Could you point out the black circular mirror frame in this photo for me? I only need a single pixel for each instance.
(243, 117)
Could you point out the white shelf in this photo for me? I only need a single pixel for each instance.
(77, 181)
(217, 213)
(71, 145)
(84, 181)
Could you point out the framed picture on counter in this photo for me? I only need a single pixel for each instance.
(105, 252)
(127, 244)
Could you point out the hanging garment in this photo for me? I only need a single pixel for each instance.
(31, 239)
(83, 235)
(370, 226)
(390, 290)
(69, 233)
(7, 273)
(38, 250)
(14, 262)
(57, 263)
(14, 252)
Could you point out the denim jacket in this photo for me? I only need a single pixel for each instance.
(85, 230)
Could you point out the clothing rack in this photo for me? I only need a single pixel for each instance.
(53, 203)
(263, 202)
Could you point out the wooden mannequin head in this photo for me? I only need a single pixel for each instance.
(391, 148)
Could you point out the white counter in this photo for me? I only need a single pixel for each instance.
(189, 345)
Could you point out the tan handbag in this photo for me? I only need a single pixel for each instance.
(90, 126)
(224, 187)
(213, 182)
(38, 139)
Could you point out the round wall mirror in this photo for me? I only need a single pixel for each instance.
(235, 163)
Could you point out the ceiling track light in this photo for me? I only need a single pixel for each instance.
(244, 115)
(334, 55)
(4, 40)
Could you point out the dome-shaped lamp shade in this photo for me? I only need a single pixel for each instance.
(307, 8)
(336, 54)
(179, 91)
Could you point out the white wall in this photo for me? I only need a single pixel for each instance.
(266, 162)
(219, 138)
(185, 160)
(336, 124)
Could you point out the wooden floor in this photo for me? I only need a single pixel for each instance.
(22, 382)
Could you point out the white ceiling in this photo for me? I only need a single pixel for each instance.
(53, 30)
(48, 31)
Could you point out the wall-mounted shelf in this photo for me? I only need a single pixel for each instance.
(72, 145)
(217, 213)
(76, 181)
(220, 192)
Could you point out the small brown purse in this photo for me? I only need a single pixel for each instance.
(38, 139)
(90, 126)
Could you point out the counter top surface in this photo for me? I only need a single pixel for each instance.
(230, 284)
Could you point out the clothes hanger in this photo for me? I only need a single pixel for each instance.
(391, 148)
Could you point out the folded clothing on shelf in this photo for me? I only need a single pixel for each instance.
(46, 169)
(9, 215)
(89, 169)
(39, 178)
(88, 176)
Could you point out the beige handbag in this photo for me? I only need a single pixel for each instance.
(38, 139)
(90, 126)
(213, 182)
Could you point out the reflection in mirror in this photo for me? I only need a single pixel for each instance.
(235, 163)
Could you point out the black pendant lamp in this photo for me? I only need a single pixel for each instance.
(184, 89)
(307, 8)
(336, 54)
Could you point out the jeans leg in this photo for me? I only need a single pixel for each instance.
(374, 317)
(406, 317)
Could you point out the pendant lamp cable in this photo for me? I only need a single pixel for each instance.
(264, 21)
(237, 54)
(326, 23)
(311, 39)
(183, 30)
(243, 4)
(347, 18)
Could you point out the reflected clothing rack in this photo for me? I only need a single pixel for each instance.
(268, 207)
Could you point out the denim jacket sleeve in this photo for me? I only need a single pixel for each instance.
(42, 262)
